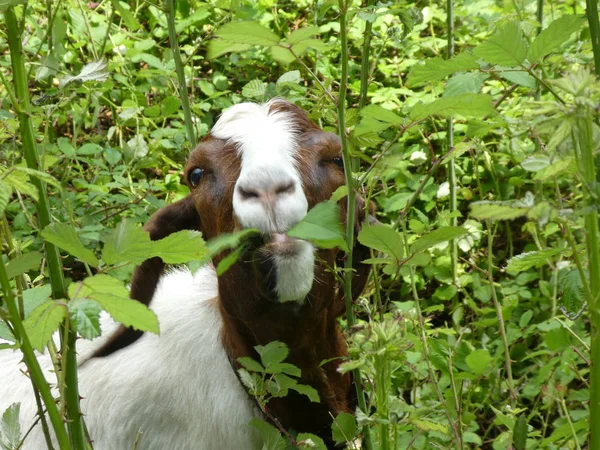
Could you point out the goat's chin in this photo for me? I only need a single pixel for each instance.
(294, 264)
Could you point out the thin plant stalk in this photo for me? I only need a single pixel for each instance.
(351, 199)
(35, 371)
(585, 145)
(365, 65)
(183, 93)
(450, 146)
(594, 22)
(22, 108)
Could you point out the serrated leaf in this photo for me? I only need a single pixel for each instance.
(11, 426)
(427, 425)
(282, 55)
(479, 361)
(506, 47)
(309, 440)
(114, 299)
(309, 391)
(65, 236)
(272, 353)
(293, 76)
(322, 227)
(251, 33)
(23, 263)
(34, 297)
(465, 83)
(520, 78)
(127, 242)
(43, 322)
(572, 293)
(218, 47)
(19, 181)
(227, 241)
(4, 196)
(270, 436)
(382, 238)
(287, 368)
(436, 69)
(94, 71)
(250, 364)
(344, 428)
(254, 89)
(180, 247)
(554, 169)
(442, 234)
(85, 315)
(496, 211)
(466, 105)
(229, 260)
(555, 35)
(381, 114)
(43, 176)
(302, 34)
(526, 261)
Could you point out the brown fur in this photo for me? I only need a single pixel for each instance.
(251, 314)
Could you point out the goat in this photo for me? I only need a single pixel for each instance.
(262, 166)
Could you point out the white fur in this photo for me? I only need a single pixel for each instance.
(177, 390)
(267, 148)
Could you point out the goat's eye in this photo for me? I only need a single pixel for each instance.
(195, 175)
(338, 161)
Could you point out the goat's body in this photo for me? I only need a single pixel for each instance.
(175, 391)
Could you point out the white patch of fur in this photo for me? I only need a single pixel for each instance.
(177, 390)
(267, 147)
(295, 274)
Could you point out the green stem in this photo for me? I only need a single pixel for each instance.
(592, 16)
(586, 143)
(350, 213)
(35, 371)
(185, 101)
(450, 146)
(43, 211)
(365, 71)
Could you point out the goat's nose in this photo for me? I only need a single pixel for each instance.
(266, 194)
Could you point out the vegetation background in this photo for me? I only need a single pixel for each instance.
(471, 124)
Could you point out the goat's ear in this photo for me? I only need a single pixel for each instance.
(175, 217)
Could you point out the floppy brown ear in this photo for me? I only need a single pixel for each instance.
(181, 215)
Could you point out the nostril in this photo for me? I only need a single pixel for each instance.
(247, 194)
(287, 188)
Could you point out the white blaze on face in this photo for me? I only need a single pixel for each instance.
(268, 194)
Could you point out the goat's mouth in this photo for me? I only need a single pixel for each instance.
(280, 244)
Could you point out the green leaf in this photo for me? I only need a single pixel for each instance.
(344, 428)
(302, 34)
(218, 47)
(322, 227)
(254, 89)
(436, 69)
(293, 76)
(85, 315)
(180, 247)
(520, 432)
(271, 438)
(381, 114)
(526, 261)
(466, 105)
(520, 78)
(251, 33)
(227, 241)
(114, 299)
(127, 242)
(43, 176)
(382, 238)
(65, 237)
(43, 322)
(555, 168)
(126, 14)
(555, 35)
(170, 105)
(427, 425)
(272, 353)
(251, 365)
(309, 440)
(289, 369)
(309, 391)
(465, 83)
(229, 260)
(442, 234)
(506, 47)
(34, 297)
(4, 196)
(479, 361)
(23, 263)
(11, 426)
(535, 163)
(496, 211)
(5, 4)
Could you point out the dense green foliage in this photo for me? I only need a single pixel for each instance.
(473, 331)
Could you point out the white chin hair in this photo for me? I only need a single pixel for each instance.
(295, 273)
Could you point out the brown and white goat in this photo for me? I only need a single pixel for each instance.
(262, 166)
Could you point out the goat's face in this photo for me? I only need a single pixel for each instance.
(264, 166)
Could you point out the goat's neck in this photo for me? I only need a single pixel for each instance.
(310, 332)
